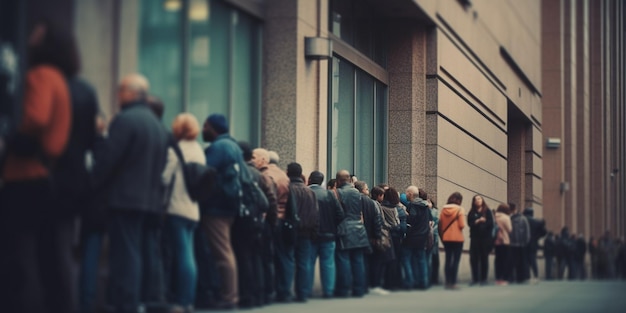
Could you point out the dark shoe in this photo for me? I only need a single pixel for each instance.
(327, 297)
(301, 299)
(287, 299)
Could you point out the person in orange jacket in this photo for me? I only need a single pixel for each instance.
(451, 223)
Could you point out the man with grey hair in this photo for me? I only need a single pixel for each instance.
(129, 163)
(415, 245)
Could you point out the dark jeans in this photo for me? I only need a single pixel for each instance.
(250, 275)
(180, 233)
(350, 272)
(531, 254)
(328, 274)
(393, 272)
(479, 259)
(549, 259)
(453, 258)
(285, 266)
(375, 268)
(36, 251)
(415, 265)
(304, 267)
(207, 288)
(88, 275)
(267, 256)
(434, 266)
(520, 265)
(503, 264)
(136, 271)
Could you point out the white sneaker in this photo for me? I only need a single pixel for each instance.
(379, 291)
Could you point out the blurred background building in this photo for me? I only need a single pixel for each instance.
(519, 101)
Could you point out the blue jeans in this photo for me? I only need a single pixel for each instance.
(415, 265)
(285, 266)
(88, 275)
(304, 267)
(326, 251)
(180, 232)
(350, 272)
(453, 257)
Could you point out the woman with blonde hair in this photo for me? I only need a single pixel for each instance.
(451, 224)
(183, 212)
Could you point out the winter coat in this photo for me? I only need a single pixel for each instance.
(303, 200)
(481, 231)
(353, 204)
(331, 213)
(504, 229)
(131, 160)
(520, 234)
(447, 217)
(180, 204)
(418, 224)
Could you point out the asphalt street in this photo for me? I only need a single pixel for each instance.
(559, 296)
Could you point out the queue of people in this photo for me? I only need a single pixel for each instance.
(252, 239)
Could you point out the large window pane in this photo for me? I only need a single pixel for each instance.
(342, 115)
(364, 127)
(243, 82)
(358, 123)
(160, 54)
(209, 54)
(380, 134)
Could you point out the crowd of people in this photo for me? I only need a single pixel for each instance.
(171, 250)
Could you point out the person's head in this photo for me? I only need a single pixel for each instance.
(260, 158)
(51, 45)
(332, 184)
(422, 194)
(294, 170)
(412, 193)
(156, 105)
(316, 177)
(455, 198)
(246, 150)
(504, 208)
(215, 125)
(392, 196)
(377, 194)
(512, 208)
(354, 179)
(479, 205)
(343, 176)
(185, 127)
(362, 187)
(529, 212)
(383, 186)
(133, 87)
(273, 157)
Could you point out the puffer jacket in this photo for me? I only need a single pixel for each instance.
(330, 213)
(418, 224)
(454, 232)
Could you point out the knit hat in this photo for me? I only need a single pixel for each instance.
(218, 122)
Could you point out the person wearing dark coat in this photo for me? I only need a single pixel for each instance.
(130, 162)
(481, 222)
(352, 244)
(415, 250)
(579, 257)
(537, 231)
(549, 250)
(324, 244)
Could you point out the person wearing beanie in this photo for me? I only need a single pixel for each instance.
(218, 212)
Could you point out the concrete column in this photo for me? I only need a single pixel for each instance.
(294, 88)
(407, 105)
(553, 119)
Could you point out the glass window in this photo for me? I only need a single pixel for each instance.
(358, 122)
(356, 23)
(219, 69)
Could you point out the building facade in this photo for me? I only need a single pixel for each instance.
(583, 107)
(452, 95)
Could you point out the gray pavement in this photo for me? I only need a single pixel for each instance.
(552, 296)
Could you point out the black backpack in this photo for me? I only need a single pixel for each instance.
(254, 203)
